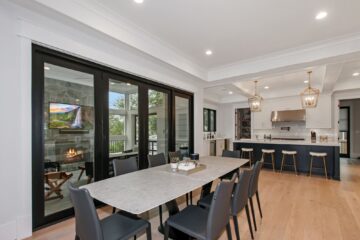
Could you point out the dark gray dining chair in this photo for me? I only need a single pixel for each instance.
(230, 154)
(206, 189)
(205, 224)
(254, 190)
(156, 160)
(90, 227)
(123, 166)
(239, 200)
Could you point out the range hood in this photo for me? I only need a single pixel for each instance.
(289, 116)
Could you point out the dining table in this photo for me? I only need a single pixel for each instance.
(143, 190)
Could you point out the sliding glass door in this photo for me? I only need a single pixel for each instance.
(123, 120)
(158, 122)
(84, 115)
(183, 123)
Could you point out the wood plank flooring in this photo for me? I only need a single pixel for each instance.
(294, 207)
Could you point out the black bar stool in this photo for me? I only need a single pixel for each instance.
(318, 155)
(288, 153)
(250, 154)
(272, 153)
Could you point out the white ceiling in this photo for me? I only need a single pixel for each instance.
(237, 30)
(328, 78)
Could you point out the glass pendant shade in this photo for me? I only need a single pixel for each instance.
(255, 101)
(310, 96)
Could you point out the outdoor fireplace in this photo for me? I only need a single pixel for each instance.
(72, 151)
(74, 155)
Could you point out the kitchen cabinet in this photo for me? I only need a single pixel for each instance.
(321, 116)
(261, 120)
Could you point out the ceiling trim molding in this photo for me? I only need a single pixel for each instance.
(308, 54)
(115, 27)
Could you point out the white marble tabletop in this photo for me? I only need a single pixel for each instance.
(146, 189)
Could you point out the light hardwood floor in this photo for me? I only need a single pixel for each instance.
(294, 207)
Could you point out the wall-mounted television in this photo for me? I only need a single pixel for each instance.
(70, 116)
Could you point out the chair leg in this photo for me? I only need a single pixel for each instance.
(273, 161)
(187, 199)
(311, 163)
(148, 232)
(236, 225)
(77, 237)
(135, 237)
(191, 198)
(262, 157)
(252, 212)
(294, 161)
(324, 160)
(114, 210)
(161, 219)
(166, 232)
(249, 220)
(258, 201)
(228, 231)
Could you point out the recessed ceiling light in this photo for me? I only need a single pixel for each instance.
(78, 100)
(208, 52)
(230, 92)
(321, 15)
(112, 83)
(47, 68)
(306, 81)
(355, 74)
(128, 84)
(139, 1)
(266, 87)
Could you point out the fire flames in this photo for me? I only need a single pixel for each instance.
(72, 154)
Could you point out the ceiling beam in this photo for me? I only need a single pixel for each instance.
(331, 76)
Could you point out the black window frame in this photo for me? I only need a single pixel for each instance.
(212, 127)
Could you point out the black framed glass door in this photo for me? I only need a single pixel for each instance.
(84, 115)
(65, 125)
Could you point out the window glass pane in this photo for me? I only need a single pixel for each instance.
(116, 100)
(182, 125)
(123, 114)
(158, 122)
(68, 134)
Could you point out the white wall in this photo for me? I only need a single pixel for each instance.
(19, 28)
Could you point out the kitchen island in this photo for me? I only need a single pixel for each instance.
(303, 148)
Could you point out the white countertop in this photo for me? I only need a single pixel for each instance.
(140, 191)
(290, 142)
(217, 138)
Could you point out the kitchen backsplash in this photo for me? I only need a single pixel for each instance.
(296, 130)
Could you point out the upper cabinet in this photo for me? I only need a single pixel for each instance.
(321, 116)
(209, 118)
(261, 120)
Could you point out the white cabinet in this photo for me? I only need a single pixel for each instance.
(220, 146)
(321, 116)
(261, 120)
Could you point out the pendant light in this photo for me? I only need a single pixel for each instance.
(255, 101)
(310, 96)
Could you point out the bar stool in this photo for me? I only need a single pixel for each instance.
(319, 155)
(288, 153)
(269, 151)
(249, 152)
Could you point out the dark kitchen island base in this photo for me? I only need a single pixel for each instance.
(302, 157)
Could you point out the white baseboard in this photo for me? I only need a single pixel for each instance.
(8, 231)
(24, 227)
